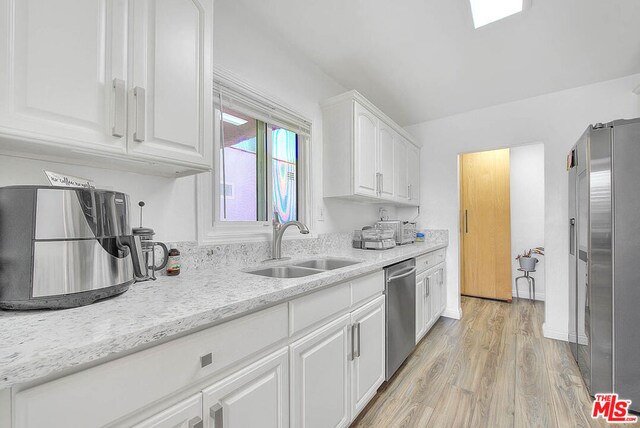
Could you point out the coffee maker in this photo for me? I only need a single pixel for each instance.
(65, 247)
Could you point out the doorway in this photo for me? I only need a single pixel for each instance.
(509, 182)
(485, 225)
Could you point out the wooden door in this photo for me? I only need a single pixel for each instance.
(367, 365)
(185, 414)
(386, 138)
(255, 396)
(58, 64)
(485, 224)
(366, 153)
(171, 96)
(320, 377)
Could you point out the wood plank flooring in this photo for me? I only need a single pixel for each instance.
(493, 368)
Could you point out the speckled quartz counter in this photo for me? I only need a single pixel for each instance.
(37, 344)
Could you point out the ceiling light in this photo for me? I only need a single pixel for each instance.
(488, 11)
(229, 118)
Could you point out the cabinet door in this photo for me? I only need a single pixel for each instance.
(413, 165)
(443, 288)
(58, 62)
(428, 301)
(186, 414)
(386, 162)
(320, 378)
(421, 307)
(255, 396)
(365, 178)
(170, 96)
(367, 353)
(434, 295)
(401, 169)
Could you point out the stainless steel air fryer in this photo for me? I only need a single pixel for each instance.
(64, 247)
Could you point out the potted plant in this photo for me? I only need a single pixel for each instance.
(527, 262)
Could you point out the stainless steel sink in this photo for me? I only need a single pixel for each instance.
(327, 264)
(300, 269)
(286, 272)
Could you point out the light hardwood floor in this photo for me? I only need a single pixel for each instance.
(493, 368)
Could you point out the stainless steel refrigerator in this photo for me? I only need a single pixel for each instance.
(604, 258)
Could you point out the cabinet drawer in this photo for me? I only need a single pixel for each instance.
(365, 287)
(313, 308)
(101, 394)
(431, 259)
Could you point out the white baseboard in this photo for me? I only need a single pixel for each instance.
(557, 334)
(524, 294)
(455, 313)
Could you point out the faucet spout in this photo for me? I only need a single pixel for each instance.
(278, 232)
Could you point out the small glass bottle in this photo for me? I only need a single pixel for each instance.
(173, 265)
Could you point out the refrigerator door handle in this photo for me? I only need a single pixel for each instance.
(572, 236)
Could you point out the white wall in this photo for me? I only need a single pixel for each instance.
(266, 63)
(556, 120)
(527, 211)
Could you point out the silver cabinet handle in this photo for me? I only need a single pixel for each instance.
(196, 422)
(356, 351)
(377, 183)
(206, 360)
(119, 117)
(410, 196)
(428, 286)
(140, 101)
(353, 342)
(215, 413)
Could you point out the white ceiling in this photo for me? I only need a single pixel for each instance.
(422, 59)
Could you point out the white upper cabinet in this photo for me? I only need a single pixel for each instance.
(170, 96)
(387, 138)
(366, 155)
(366, 152)
(118, 83)
(56, 76)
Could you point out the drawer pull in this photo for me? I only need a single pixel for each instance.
(215, 413)
(196, 422)
(206, 360)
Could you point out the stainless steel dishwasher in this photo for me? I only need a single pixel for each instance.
(400, 290)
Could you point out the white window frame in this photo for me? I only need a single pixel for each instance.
(211, 230)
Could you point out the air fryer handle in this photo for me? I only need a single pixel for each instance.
(135, 248)
(165, 257)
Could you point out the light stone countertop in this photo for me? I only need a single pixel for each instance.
(35, 344)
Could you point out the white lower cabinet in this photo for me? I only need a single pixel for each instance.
(367, 356)
(430, 298)
(255, 396)
(185, 414)
(423, 308)
(320, 377)
(315, 361)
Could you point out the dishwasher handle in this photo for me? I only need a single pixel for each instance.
(402, 275)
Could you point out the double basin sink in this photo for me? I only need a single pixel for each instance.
(306, 268)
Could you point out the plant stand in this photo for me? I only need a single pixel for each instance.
(530, 280)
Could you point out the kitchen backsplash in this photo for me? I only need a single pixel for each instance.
(194, 256)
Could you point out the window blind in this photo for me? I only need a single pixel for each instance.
(236, 96)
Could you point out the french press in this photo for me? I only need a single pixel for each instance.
(148, 266)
